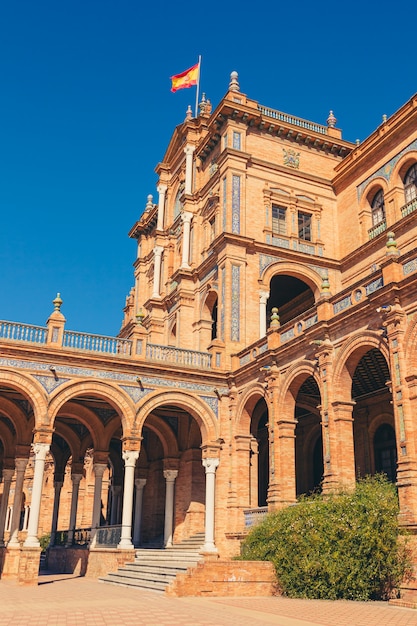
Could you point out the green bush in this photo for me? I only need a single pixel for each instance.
(44, 541)
(342, 546)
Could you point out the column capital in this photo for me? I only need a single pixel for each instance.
(189, 149)
(210, 465)
(40, 450)
(76, 478)
(186, 217)
(161, 188)
(140, 483)
(99, 469)
(7, 475)
(130, 457)
(158, 250)
(20, 464)
(170, 475)
(263, 296)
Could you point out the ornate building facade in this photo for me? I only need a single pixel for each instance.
(268, 348)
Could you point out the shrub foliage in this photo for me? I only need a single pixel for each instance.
(342, 546)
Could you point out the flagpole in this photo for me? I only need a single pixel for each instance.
(198, 85)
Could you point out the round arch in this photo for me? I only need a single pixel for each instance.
(31, 389)
(402, 167)
(350, 355)
(307, 275)
(246, 405)
(197, 408)
(116, 397)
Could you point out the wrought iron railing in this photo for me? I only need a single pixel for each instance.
(108, 536)
(80, 537)
(22, 332)
(97, 343)
(178, 356)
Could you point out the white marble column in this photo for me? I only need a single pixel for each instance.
(57, 497)
(189, 151)
(157, 271)
(99, 469)
(139, 485)
(161, 206)
(170, 476)
(76, 479)
(263, 299)
(7, 480)
(40, 450)
(130, 457)
(17, 503)
(186, 231)
(210, 466)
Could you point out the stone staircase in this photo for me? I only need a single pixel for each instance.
(155, 568)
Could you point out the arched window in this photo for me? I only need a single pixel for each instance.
(410, 183)
(378, 208)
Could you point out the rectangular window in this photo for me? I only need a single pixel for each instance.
(236, 140)
(304, 226)
(279, 225)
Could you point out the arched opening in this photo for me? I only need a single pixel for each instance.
(385, 451)
(372, 411)
(290, 295)
(308, 439)
(260, 453)
(171, 451)
(410, 183)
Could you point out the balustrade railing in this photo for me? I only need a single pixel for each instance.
(97, 343)
(22, 332)
(80, 537)
(179, 356)
(409, 207)
(377, 229)
(254, 516)
(295, 121)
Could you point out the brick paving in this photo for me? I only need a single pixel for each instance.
(61, 600)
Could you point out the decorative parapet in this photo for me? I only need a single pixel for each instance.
(178, 356)
(14, 331)
(97, 343)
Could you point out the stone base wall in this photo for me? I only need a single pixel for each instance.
(91, 563)
(21, 564)
(226, 578)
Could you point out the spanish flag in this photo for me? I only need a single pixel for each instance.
(189, 78)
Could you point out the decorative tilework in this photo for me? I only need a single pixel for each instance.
(263, 348)
(265, 260)
(224, 203)
(321, 271)
(236, 204)
(222, 327)
(49, 383)
(289, 334)
(386, 170)
(136, 393)
(244, 359)
(235, 321)
(409, 267)
(342, 304)
(374, 285)
(280, 242)
(213, 404)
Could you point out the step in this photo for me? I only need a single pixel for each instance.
(132, 582)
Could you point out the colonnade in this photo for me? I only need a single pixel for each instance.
(131, 506)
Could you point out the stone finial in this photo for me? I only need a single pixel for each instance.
(325, 285)
(139, 317)
(149, 204)
(391, 244)
(234, 84)
(202, 103)
(331, 120)
(275, 323)
(189, 114)
(357, 142)
(384, 118)
(57, 302)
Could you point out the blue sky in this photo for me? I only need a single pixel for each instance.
(86, 113)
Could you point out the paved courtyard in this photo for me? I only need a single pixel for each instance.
(61, 600)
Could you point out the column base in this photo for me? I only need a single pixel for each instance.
(125, 544)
